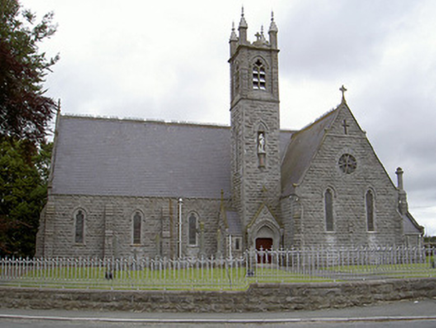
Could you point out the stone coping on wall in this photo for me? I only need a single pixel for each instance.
(257, 298)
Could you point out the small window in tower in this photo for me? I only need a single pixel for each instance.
(259, 77)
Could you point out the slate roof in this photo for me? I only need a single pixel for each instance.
(301, 149)
(234, 223)
(141, 158)
(410, 225)
(113, 157)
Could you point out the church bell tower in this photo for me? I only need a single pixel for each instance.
(255, 122)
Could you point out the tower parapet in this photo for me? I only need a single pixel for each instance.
(261, 41)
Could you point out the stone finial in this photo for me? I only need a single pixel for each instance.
(273, 26)
(243, 29)
(233, 36)
(242, 22)
(343, 89)
(273, 32)
(262, 36)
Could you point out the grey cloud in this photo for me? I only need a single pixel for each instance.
(324, 39)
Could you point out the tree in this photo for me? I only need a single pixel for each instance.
(25, 112)
(23, 193)
(24, 109)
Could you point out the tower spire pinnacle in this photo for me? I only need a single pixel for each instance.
(233, 36)
(242, 22)
(273, 26)
(273, 32)
(242, 28)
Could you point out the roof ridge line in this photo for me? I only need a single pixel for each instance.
(141, 120)
(323, 116)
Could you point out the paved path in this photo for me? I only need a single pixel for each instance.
(398, 314)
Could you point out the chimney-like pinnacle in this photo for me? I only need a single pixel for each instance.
(243, 22)
(273, 26)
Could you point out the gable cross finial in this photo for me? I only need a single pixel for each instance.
(342, 89)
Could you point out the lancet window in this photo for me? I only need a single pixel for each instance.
(369, 200)
(328, 203)
(137, 223)
(192, 229)
(79, 227)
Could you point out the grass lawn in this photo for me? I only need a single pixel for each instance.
(212, 278)
(146, 279)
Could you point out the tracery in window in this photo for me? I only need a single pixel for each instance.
(347, 163)
(259, 80)
(328, 203)
(137, 222)
(79, 227)
(369, 200)
(192, 230)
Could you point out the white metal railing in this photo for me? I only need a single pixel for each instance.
(291, 265)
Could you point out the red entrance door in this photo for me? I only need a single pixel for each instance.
(264, 244)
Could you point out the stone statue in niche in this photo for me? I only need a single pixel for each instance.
(261, 143)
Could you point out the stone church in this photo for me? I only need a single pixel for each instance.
(121, 187)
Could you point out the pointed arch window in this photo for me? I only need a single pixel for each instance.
(192, 229)
(328, 203)
(137, 223)
(369, 202)
(259, 76)
(79, 224)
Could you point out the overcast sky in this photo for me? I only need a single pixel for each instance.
(167, 60)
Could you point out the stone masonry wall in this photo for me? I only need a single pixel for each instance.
(349, 190)
(258, 298)
(109, 226)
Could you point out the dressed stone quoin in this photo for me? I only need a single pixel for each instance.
(121, 188)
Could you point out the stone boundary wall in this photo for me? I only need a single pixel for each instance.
(258, 298)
